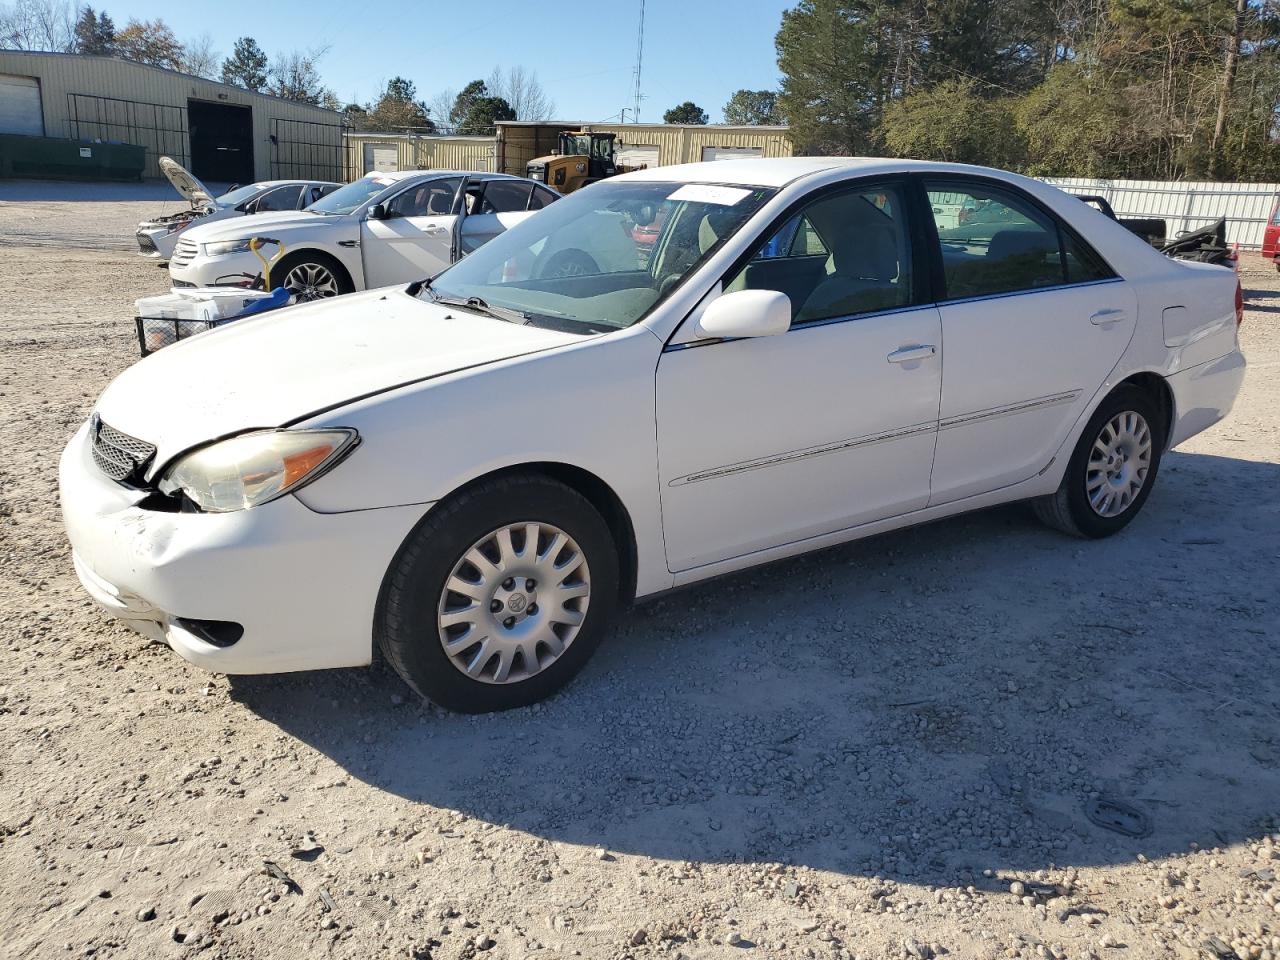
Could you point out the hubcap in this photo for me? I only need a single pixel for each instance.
(514, 602)
(311, 281)
(1118, 464)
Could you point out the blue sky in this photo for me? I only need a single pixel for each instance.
(700, 50)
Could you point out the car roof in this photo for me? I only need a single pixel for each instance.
(779, 171)
(398, 175)
(285, 183)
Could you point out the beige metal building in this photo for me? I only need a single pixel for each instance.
(387, 152)
(517, 142)
(220, 132)
(642, 145)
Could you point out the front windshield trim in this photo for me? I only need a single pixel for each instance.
(679, 235)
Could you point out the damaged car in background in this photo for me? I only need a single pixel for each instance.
(382, 229)
(159, 235)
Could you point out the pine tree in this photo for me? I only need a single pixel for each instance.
(247, 65)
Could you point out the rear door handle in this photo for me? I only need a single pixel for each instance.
(1104, 317)
(918, 351)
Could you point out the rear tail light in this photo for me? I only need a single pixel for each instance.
(1239, 304)
(1235, 257)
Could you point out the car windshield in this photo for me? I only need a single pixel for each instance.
(603, 257)
(352, 197)
(239, 195)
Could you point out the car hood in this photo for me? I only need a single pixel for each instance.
(195, 192)
(282, 367)
(259, 224)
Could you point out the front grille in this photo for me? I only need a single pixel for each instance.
(184, 253)
(118, 455)
(145, 243)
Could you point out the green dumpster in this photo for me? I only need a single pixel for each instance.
(53, 158)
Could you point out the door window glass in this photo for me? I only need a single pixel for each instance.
(431, 199)
(541, 197)
(505, 196)
(993, 241)
(842, 255)
(286, 198)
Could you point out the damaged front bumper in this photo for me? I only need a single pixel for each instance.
(271, 589)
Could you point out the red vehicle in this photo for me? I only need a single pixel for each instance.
(1271, 239)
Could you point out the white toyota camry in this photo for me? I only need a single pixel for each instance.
(477, 473)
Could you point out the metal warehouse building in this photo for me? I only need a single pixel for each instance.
(518, 142)
(220, 132)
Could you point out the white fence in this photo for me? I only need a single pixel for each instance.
(1187, 205)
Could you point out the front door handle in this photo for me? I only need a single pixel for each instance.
(918, 351)
(1105, 317)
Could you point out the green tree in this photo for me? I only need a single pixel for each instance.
(398, 109)
(837, 70)
(95, 34)
(952, 122)
(687, 112)
(247, 65)
(753, 108)
(150, 41)
(483, 114)
(464, 101)
(1077, 124)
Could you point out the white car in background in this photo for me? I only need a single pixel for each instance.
(478, 472)
(382, 229)
(158, 236)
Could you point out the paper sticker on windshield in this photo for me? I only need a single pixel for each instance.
(706, 193)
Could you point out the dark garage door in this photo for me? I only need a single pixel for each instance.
(221, 141)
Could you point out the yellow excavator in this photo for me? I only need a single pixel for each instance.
(581, 158)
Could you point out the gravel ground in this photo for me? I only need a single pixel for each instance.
(884, 750)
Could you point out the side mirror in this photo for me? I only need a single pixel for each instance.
(377, 212)
(746, 313)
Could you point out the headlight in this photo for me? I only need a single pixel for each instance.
(226, 246)
(255, 468)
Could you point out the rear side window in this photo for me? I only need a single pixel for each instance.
(541, 197)
(505, 196)
(993, 241)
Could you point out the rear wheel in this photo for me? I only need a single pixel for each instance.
(1112, 468)
(500, 596)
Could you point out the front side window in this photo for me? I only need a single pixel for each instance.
(434, 198)
(285, 198)
(994, 242)
(601, 258)
(846, 254)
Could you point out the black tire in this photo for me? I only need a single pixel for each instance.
(316, 258)
(1069, 509)
(405, 625)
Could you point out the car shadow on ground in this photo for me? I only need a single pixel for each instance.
(1254, 300)
(922, 705)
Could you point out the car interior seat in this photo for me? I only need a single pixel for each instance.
(864, 262)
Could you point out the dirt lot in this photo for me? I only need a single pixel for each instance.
(885, 750)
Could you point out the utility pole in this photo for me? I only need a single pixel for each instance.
(635, 111)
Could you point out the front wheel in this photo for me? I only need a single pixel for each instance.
(500, 596)
(311, 276)
(1111, 470)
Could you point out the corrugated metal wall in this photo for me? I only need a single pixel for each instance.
(422, 153)
(518, 143)
(1187, 205)
(111, 99)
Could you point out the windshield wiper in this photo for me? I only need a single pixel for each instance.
(477, 304)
